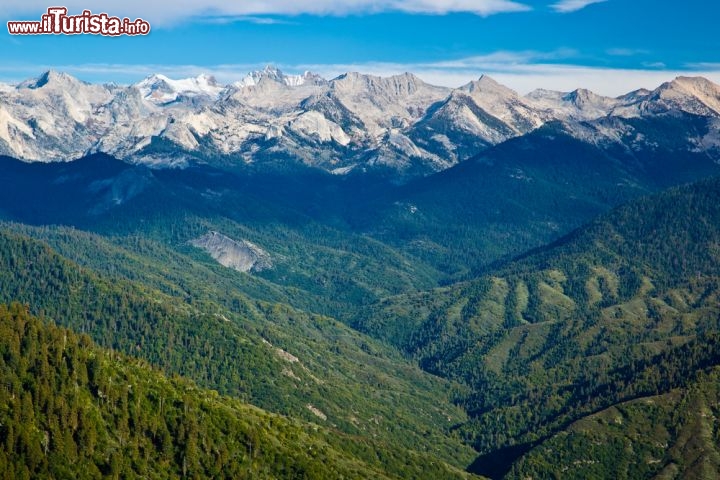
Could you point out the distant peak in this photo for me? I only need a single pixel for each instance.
(582, 96)
(579, 93)
(161, 89)
(635, 95)
(352, 75)
(485, 85)
(694, 80)
(159, 77)
(274, 74)
(207, 78)
(48, 77)
(409, 76)
(155, 77)
(486, 79)
(43, 79)
(543, 93)
(406, 77)
(271, 71)
(690, 83)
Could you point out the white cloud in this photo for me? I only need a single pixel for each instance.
(164, 12)
(567, 6)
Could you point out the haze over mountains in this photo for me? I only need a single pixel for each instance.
(355, 122)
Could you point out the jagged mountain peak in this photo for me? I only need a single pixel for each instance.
(485, 78)
(577, 95)
(543, 94)
(487, 84)
(579, 104)
(51, 78)
(580, 95)
(154, 79)
(635, 95)
(488, 92)
(357, 77)
(308, 77)
(403, 85)
(503, 103)
(699, 87)
(270, 72)
(382, 103)
(273, 74)
(696, 95)
(583, 98)
(696, 82)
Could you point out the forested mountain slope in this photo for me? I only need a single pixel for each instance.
(284, 360)
(673, 435)
(625, 307)
(69, 409)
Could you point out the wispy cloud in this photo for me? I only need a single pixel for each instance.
(164, 12)
(567, 6)
(703, 66)
(257, 20)
(522, 71)
(625, 52)
(503, 58)
(655, 65)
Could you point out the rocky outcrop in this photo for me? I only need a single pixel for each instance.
(240, 255)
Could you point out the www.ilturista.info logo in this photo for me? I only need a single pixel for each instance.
(57, 22)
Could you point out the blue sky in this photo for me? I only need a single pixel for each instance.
(610, 46)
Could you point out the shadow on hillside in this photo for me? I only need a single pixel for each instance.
(497, 464)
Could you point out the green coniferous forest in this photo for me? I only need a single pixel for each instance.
(73, 410)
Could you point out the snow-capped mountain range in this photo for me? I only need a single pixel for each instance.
(353, 121)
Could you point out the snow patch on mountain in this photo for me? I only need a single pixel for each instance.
(343, 170)
(162, 90)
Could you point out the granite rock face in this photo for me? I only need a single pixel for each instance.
(240, 255)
